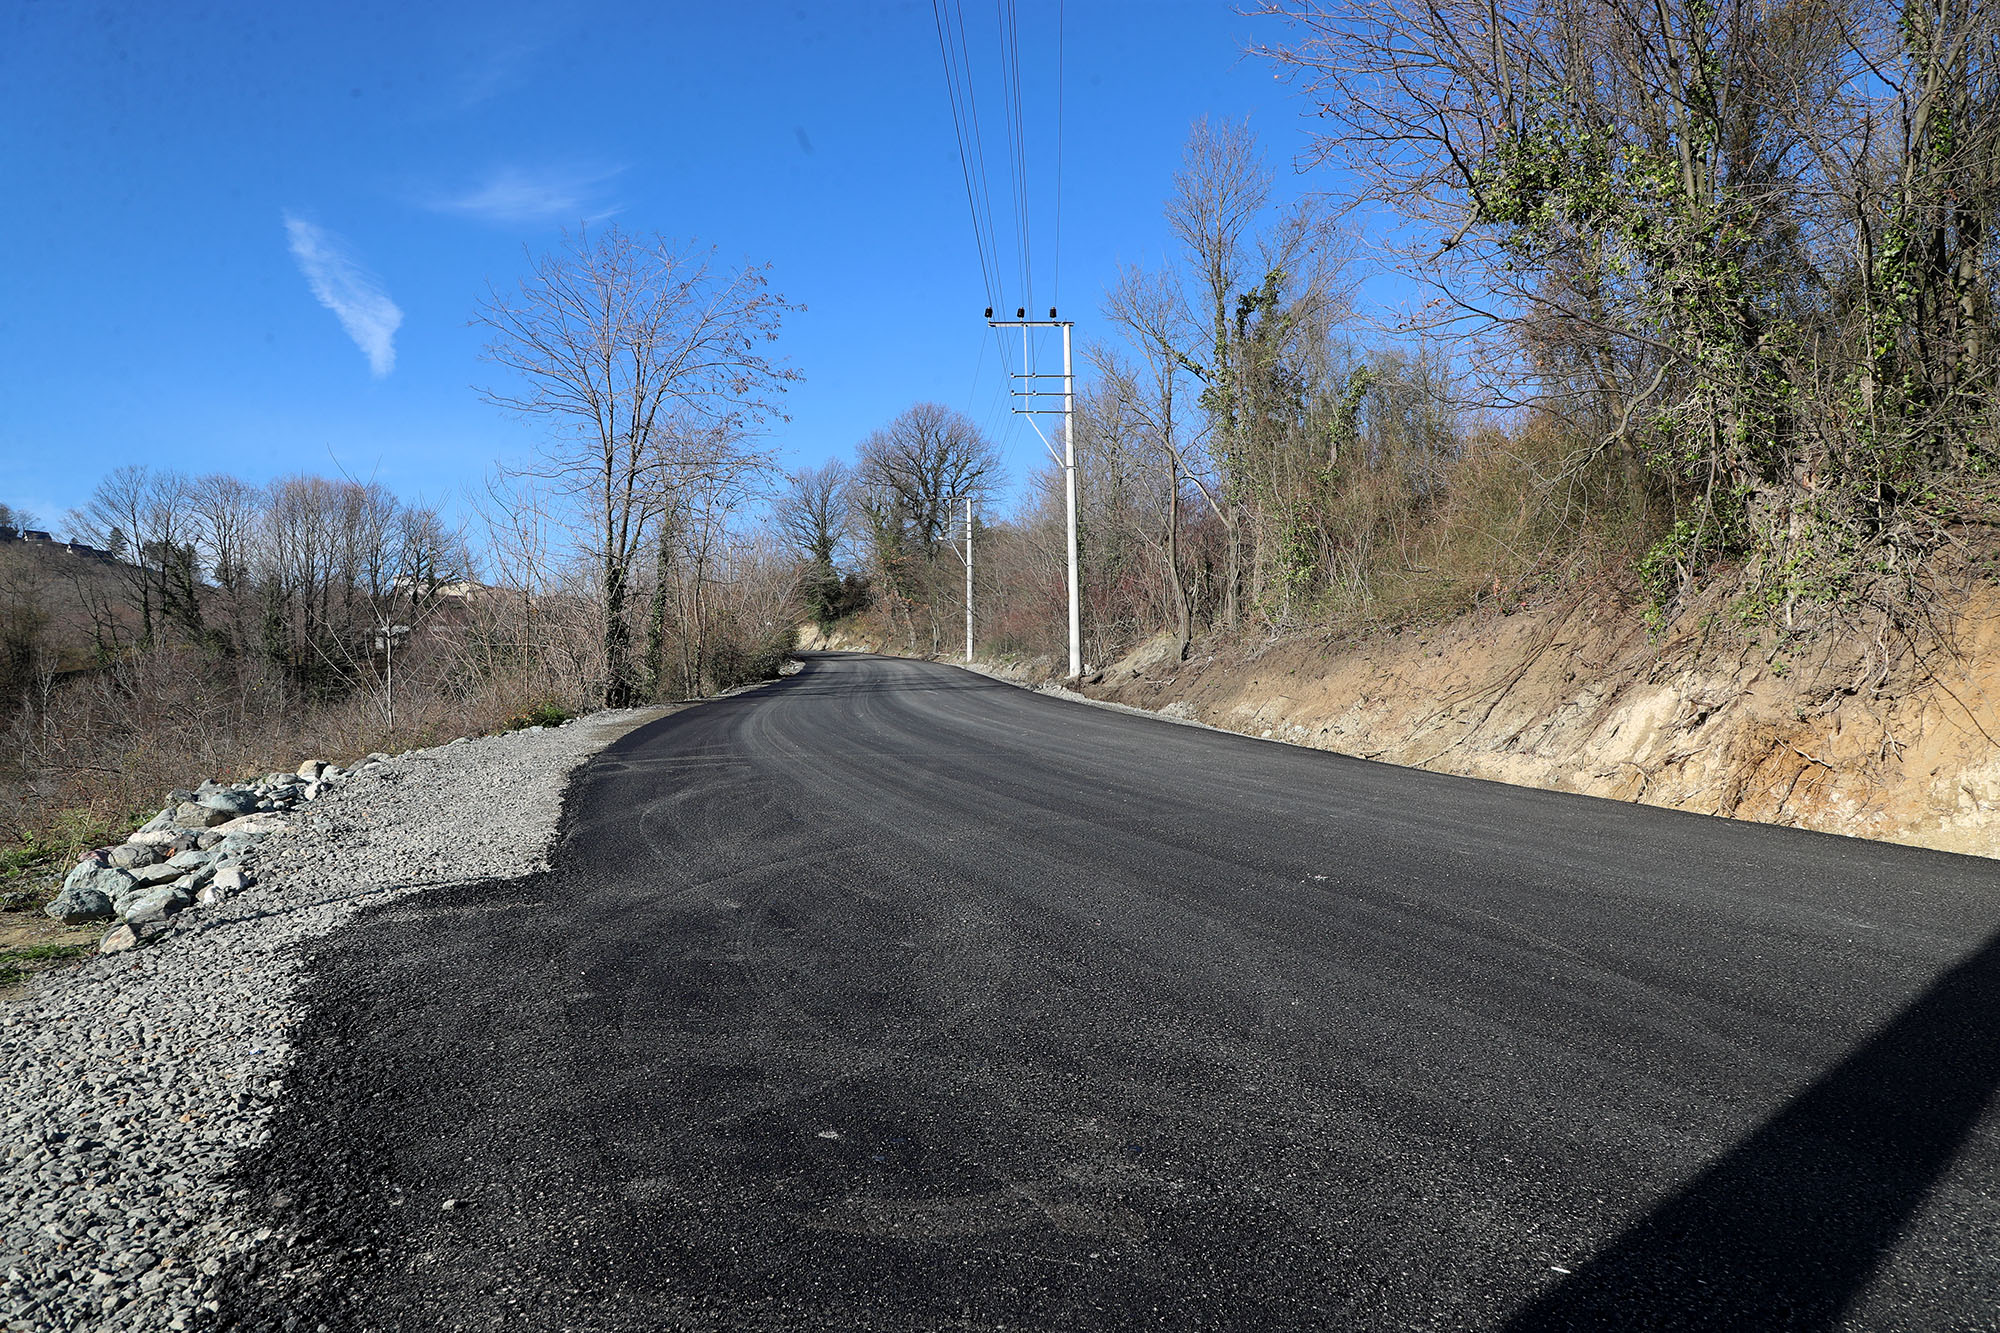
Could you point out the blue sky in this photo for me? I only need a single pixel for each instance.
(187, 183)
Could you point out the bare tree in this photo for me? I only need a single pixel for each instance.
(143, 516)
(1150, 311)
(908, 478)
(224, 512)
(1263, 289)
(649, 360)
(814, 511)
(1218, 192)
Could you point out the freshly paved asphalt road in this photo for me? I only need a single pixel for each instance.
(890, 997)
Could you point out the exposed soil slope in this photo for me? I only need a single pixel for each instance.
(1578, 697)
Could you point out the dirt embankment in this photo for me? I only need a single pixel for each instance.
(1847, 734)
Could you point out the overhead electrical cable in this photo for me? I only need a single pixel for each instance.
(1017, 161)
(976, 159)
(978, 138)
(961, 112)
(1018, 139)
(961, 85)
(1055, 284)
(954, 50)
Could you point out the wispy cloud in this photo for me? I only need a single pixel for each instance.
(500, 68)
(512, 194)
(348, 290)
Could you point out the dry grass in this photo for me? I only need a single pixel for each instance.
(102, 755)
(1517, 521)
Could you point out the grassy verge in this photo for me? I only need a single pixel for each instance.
(17, 965)
(56, 843)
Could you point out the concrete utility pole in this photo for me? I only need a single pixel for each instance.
(968, 578)
(966, 556)
(1030, 393)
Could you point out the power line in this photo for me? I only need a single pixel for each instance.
(962, 90)
(1055, 285)
(1017, 140)
(956, 51)
(978, 140)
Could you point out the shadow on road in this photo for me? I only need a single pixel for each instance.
(1785, 1231)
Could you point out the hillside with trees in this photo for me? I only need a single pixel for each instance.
(1705, 355)
(1709, 298)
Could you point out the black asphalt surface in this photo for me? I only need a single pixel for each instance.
(890, 997)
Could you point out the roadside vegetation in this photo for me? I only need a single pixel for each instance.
(1707, 303)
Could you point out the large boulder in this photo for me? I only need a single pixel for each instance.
(75, 906)
(107, 880)
(131, 935)
(90, 893)
(312, 768)
(194, 815)
(259, 824)
(132, 855)
(155, 904)
(232, 801)
(166, 872)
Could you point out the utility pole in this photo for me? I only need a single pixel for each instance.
(966, 557)
(968, 578)
(1030, 393)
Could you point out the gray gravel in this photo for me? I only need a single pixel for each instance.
(132, 1083)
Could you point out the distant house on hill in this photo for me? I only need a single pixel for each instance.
(462, 589)
(38, 538)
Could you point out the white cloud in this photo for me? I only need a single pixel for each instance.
(349, 291)
(513, 195)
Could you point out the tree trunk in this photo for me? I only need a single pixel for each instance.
(1176, 590)
(656, 617)
(619, 688)
(1232, 574)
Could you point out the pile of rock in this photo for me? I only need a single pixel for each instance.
(192, 851)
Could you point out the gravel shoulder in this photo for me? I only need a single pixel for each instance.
(134, 1082)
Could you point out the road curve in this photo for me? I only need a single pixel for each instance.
(890, 997)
